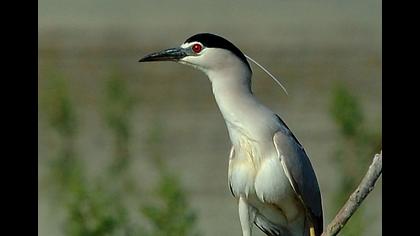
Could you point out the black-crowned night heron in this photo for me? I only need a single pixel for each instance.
(269, 171)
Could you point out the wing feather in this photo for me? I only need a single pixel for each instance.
(300, 173)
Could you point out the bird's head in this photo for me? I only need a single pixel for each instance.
(204, 51)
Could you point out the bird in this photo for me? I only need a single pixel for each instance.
(269, 172)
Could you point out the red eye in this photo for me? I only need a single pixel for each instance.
(197, 48)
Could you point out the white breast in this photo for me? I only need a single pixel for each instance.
(243, 168)
(253, 171)
(271, 183)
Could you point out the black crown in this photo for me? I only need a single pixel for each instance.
(215, 41)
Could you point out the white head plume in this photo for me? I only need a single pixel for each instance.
(266, 71)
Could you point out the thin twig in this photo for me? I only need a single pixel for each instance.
(356, 198)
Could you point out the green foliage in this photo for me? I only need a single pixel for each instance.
(91, 210)
(154, 142)
(118, 108)
(353, 153)
(173, 217)
(346, 112)
(95, 212)
(57, 105)
(99, 206)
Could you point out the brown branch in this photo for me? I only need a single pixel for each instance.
(356, 198)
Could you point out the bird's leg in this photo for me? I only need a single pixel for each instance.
(312, 231)
(246, 217)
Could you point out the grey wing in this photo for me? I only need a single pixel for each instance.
(269, 228)
(300, 173)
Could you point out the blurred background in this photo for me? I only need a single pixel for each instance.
(141, 149)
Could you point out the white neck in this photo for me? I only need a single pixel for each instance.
(243, 113)
(232, 90)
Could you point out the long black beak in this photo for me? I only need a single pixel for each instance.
(171, 54)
